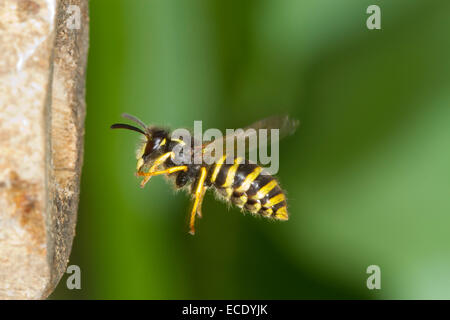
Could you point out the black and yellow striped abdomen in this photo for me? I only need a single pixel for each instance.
(245, 185)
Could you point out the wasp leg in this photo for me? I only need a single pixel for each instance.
(199, 207)
(167, 171)
(199, 193)
(157, 163)
(155, 173)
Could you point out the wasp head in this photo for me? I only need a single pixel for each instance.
(153, 145)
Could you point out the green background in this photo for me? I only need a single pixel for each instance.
(367, 174)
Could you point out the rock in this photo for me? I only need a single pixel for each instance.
(42, 109)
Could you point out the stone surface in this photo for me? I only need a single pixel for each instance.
(42, 109)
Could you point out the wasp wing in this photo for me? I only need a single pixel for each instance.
(252, 137)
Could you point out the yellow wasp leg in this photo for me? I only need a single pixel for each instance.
(199, 207)
(157, 162)
(199, 193)
(155, 173)
(167, 171)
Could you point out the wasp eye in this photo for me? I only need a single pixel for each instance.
(149, 148)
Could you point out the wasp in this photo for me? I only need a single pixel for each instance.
(235, 179)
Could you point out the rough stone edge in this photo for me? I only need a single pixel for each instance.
(66, 135)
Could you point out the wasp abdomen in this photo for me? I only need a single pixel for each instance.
(246, 186)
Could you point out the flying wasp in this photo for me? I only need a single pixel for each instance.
(234, 178)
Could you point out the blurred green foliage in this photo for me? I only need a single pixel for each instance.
(367, 174)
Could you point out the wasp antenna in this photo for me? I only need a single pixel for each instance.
(128, 127)
(133, 118)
